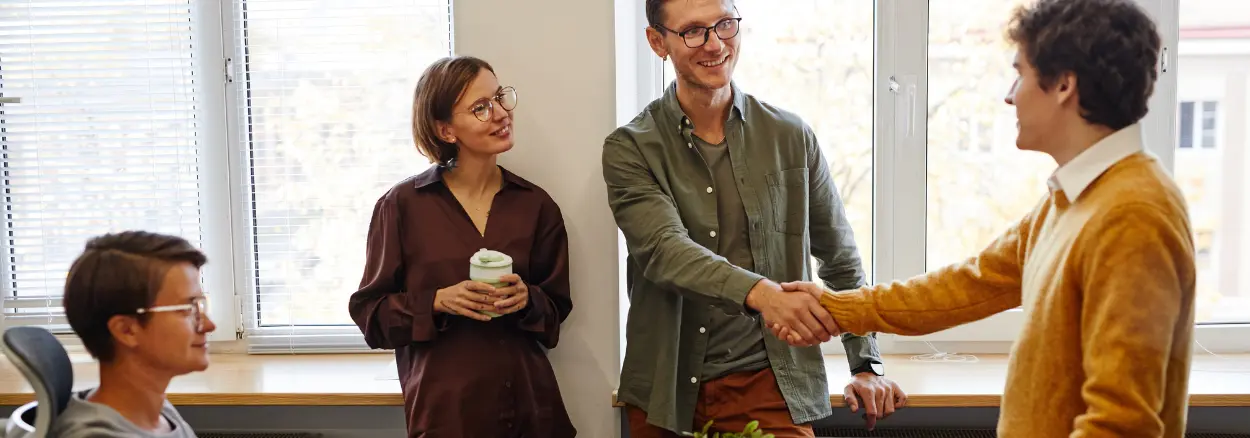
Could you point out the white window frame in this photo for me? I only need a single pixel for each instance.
(261, 340)
(900, 156)
(219, 203)
(258, 340)
(226, 238)
(218, 274)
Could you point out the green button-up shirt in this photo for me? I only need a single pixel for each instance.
(657, 188)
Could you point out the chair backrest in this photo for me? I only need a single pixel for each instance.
(45, 364)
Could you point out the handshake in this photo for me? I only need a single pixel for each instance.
(793, 311)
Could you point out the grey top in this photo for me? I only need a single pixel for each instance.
(84, 419)
(657, 190)
(735, 342)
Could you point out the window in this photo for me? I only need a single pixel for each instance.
(971, 198)
(100, 132)
(1187, 125)
(114, 115)
(1208, 124)
(323, 107)
(833, 41)
(1204, 135)
(1211, 157)
(940, 191)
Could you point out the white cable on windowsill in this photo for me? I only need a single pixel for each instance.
(941, 356)
(1222, 358)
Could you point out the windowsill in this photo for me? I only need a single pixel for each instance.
(980, 384)
(253, 380)
(369, 380)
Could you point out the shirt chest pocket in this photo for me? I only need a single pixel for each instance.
(787, 192)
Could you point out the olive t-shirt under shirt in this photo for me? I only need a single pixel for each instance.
(735, 342)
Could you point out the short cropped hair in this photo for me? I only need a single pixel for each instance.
(441, 85)
(1111, 46)
(655, 13)
(117, 274)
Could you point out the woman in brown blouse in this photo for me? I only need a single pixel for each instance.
(463, 373)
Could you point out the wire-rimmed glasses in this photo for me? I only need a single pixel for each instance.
(484, 109)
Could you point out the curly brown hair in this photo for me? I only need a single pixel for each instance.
(1111, 46)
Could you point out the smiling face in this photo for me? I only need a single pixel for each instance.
(709, 66)
(485, 99)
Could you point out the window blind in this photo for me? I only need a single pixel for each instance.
(97, 134)
(324, 93)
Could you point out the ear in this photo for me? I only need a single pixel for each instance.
(125, 330)
(656, 40)
(1065, 89)
(445, 131)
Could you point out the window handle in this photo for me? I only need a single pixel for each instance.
(909, 108)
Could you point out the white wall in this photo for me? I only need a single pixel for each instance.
(559, 54)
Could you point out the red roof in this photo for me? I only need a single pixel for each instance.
(1216, 32)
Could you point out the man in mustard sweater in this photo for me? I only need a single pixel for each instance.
(1103, 266)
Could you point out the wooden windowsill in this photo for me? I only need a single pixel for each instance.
(1214, 381)
(369, 380)
(253, 380)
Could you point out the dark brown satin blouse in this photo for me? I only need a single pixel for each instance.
(461, 377)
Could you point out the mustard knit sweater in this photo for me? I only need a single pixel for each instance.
(1107, 285)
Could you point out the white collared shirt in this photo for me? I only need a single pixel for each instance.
(1076, 176)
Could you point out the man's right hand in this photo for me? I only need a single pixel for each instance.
(799, 312)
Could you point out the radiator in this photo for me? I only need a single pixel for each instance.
(258, 435)
(911, 432)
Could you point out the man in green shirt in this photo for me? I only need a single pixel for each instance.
(720, 197)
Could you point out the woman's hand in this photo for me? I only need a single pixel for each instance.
(512, 298)
(466, 299)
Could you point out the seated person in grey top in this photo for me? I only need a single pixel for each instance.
(134, 299)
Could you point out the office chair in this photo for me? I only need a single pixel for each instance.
(45, 364)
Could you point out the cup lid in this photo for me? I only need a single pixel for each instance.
(490, 259)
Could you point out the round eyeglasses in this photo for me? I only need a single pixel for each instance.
(198, 308)
(696, 37)
(484, 109)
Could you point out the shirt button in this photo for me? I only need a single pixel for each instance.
(702, 329)
(507, 384)
(689, 145)
(713, 234)
(709, 190)
(694, 380)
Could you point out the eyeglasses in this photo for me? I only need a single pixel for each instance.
(696, 37)
(484, 110)
(198, 308)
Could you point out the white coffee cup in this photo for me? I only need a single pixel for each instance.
(489, 267)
